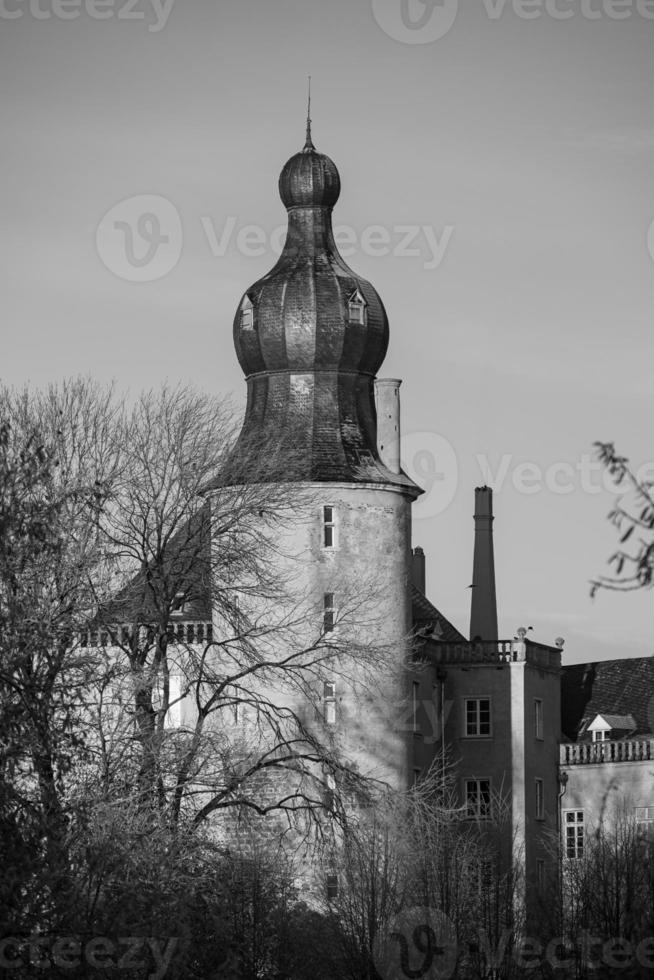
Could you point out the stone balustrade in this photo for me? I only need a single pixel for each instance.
(625, 750)
(495, 652)
(120, 634)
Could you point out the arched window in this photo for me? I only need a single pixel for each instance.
(357, 308)
(247, 314)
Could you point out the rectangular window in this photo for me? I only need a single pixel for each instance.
(477, 716)
(356, 312)
(417, 773)
(415, 690)
(174, 713)
(540, 874)
(602, 736)
(332, 887)
(478, 799)
(645, 821)
(538, 718)
(329, 702)
(330, 791)
(573, 828)
(540, 804)
(329, 527)
(329, 614)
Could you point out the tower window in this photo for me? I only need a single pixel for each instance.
(329, 527)
(357, 308)
(329, 702)
(415, 700)
(332, 887)
(247, 314)
(540, 805)
(538, 718)
(329, 613)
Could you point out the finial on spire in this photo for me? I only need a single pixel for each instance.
(308, 145)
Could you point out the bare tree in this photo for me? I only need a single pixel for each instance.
(633, 518)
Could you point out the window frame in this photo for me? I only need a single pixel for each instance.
(328, 612)
(357, 309)
(478, 723)
(331, 886)
(329, 528)
(539, 787)
(329, 702)
(415, 703)
(483, 811)
(539, 714)
(578, 843)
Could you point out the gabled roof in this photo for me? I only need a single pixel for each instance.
(606, 722)
(608, 688)
(425, 614)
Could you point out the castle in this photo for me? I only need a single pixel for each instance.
(553, 742)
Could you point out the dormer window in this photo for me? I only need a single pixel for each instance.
(357, 308)
(247, 314)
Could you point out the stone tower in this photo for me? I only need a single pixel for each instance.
(310, 337)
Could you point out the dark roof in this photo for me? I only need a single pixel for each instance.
(425, 613)
(608, 687)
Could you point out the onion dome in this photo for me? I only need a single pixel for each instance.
(310, 337)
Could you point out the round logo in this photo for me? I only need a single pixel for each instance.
(415, 21)
(416, 943)
(140, 239)
(429, 459)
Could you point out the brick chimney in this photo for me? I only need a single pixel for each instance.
(483, 609)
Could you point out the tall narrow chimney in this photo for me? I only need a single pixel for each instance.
(418, 569)
(387, 399)
(483, 611)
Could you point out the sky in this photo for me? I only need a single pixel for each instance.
(497, 168)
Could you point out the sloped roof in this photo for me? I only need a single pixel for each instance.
(424, 613)
(608, 688)
(626, 723)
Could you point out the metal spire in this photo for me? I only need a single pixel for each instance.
(308, 145)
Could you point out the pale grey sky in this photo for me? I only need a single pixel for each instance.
(512, 158)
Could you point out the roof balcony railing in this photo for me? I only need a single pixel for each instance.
(496, 652)
(623, 750)
(120, 634)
